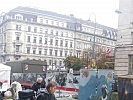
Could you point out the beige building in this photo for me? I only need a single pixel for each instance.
(124, 46)
(29, 33)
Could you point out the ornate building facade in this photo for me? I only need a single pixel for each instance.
(29, 33)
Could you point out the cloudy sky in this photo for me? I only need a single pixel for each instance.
(104, 10)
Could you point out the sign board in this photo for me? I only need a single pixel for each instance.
(60, 66)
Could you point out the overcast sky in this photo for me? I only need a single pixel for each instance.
(103, 9)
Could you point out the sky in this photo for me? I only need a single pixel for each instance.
(101, 10)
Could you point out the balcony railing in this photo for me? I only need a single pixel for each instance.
(18, 42)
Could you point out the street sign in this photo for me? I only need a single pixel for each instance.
(60, 66)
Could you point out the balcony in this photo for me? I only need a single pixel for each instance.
(3, 54)
(17, 42)
(17, 53)
(130, 72)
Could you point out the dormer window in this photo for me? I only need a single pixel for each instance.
(32, 20)
(18, 17)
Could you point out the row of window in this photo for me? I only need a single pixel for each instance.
(51, 22)
(56, 42)
(89, 38)
(41, 20)
(46, 31)
(55, 62)
(51, 41)
(97, 39)
(50, 53)
(106, 32)
(61, 42)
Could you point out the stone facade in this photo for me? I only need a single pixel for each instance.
(124, 45)
(29, 33)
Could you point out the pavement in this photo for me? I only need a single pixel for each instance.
(66, 98)
(65, 95)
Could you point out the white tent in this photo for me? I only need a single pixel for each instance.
(4, 77)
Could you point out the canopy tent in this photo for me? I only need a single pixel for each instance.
(4, 67)
(4, 77)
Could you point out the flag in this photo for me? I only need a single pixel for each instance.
(26, 67)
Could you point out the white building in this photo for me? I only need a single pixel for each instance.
(124, 46)
(29, 33)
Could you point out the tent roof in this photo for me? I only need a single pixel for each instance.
(4, 67)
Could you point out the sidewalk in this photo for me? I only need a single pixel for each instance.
(65, 95)
(66, 98)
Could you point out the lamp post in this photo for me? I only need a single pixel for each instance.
(52, 56)
(93, 60)
(94, 36)
(52, 64)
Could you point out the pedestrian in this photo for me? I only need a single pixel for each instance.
(48, 93)
(104, 92)
(9, 94)
(39, 84)
(49, 80)
(12, 92)
(75, 80)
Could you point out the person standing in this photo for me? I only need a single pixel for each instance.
(12, 92)
(48, 93)
(40, 83)
(104, 92)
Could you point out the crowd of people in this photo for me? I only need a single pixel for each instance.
(42, 91)
(61, 80)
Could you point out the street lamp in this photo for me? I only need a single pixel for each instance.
(93, 60)
(53, 63)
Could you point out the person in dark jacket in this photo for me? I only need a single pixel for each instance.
(38, 85)
(48, 93)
